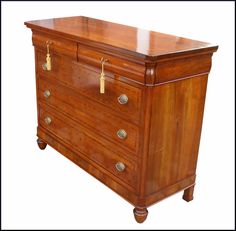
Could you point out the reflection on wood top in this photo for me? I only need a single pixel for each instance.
(130, 39)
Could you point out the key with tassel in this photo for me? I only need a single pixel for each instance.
(102, 76)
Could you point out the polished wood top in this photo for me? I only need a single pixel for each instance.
(126, 38)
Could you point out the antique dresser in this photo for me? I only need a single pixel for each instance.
(124, 104)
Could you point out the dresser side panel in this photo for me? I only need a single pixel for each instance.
(147, 109)
(175, 132)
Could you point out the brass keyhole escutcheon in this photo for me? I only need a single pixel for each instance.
(48, 120)
(102, 76)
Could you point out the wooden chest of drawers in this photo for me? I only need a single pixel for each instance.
(124, 104)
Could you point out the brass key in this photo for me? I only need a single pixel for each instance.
(102, 76)
(48, 58)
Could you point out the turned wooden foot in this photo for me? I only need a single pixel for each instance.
(42, 145)
(140, 214)
(188, 194)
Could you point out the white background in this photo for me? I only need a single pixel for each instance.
(44, 190)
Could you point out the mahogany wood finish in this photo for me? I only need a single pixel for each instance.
(83, 110)
(164, 78)
(72, 75)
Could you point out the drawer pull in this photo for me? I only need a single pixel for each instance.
(102, 76)
(122, 134)
(48, 120)
(48, 65)
(46, 93)
(120, 166)
(44, 66)
(123, 99)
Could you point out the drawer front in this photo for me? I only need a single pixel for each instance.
(85, 80)
(57, 45)
(77, 136)
(85, 111)
(114, 64)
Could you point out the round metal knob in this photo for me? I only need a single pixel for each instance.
(46, 93)
(120, 166)
(45, 67)
(48, 120)
(123, 99)
(122, 134)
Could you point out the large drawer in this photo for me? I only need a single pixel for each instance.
(85, 80)
(100, 119)
(80, 138)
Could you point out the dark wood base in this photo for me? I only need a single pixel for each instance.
(188, 194)
(42, 145)
(140, 214)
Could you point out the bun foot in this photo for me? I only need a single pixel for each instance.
(140, 214)
(42, 145)
(188, 194)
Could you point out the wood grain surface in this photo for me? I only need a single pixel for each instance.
(164, 79)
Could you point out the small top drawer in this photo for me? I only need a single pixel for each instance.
(130, 68)
(56, 45)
